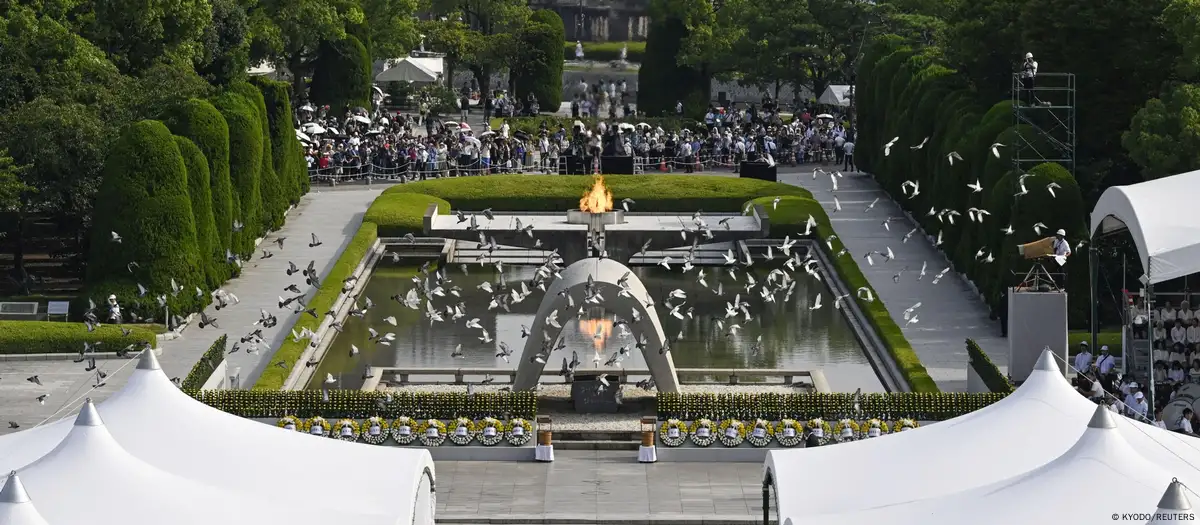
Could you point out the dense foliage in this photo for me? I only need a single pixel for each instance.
(51, 337)
(774, 407)
(342, 79)
(204, 368)
(539, 71)
(987, 371)
(360, 404)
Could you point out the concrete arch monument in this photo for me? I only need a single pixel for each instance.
(605, 273)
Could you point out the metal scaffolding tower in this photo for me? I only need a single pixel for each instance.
(1049, 109)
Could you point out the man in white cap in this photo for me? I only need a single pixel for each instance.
(1062, 248)
(1105, 362)
(1083, 360)
(1028, 73)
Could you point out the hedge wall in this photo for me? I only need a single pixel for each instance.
(396, 214)
(359, 404)
(204, 368)
(47, 337)
(662, 81)
(987, 371)
(913, 95)
(774, 407)
(245, 163)
(274, 198)
(200, 194)
(200, 122)
(341, 75)
(144, 199)
(540, 71)
(605, 51)
(286, 151)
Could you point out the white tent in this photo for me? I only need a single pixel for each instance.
(835, 95)
(1157, 214)
(261, 70)
(16, 508)
(1100, 474)
(412, 69)
(166, 428)
(1025, 430)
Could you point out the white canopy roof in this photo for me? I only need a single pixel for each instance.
(1029, 428)
(1157, 214)
(164, 427)
(15, 506)
(835, 95)
(412, 69)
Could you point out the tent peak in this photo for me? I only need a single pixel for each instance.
(13, 490)
(88, 417)
(1174, 498)
(1047, 362)
(1102, 418)
(147, 361)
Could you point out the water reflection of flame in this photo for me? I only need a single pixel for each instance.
(598, 329)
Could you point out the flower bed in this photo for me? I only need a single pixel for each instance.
(356, 404)
(405, 430)
(775, 407)
(762, 433)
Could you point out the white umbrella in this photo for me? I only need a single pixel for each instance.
(307, 107)
(824, 115)
(332, 131)
(487, 133)
(375, 131)
(449, 123)
(464, 126)
(377, 90)
(472, 140)
(362, 119)
(383, 120)
(300, 135)
(643, 125)
(625, 125)
(313, 128)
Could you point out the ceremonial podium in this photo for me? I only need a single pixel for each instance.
(758, 170)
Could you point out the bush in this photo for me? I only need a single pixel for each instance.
(396, 214)
(605, 51)
(144, 199)
(274, 198)
(773, 407)
(789, 218)
(539, 71)
(676, 193)
(987, 370)
(331, 287)
(662, 81)
(245, 163)
(341, 75)
(359, 404)
(200, 194)
(286, 152)
(204, 368)
(46, 337)
(200, 122)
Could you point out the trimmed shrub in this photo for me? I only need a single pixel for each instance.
(48, 337)
(204, 368)
(662, 81)
(361, 405)
(201, 196)
(286, 151)
(245, 163)
(605, 51)
(274, 200)
(200, 122)
(920, 406)
(987, 370)
(396, 214)
(539, 71)
(341, 75)
(144, 199)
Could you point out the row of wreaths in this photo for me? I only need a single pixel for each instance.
(405, 430)
(761, 433)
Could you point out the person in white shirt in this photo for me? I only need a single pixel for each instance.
(1083, 360)
(1166, 315)
(1138, 407)
(1159, 337)
(1105, 362)
(1062, 248)
(1158, 420)
(1185, 313)
(1193, 335)
(1130, 389)
(1184, 425)
(1177, 374)
(1178, 334)
(848, 163)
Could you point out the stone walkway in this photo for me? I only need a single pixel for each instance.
(598, 485)
(950, 312)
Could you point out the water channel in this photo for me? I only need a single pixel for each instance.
(793, 335)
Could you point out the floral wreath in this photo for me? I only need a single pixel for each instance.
(703, 432)
(405, 430)
(782, 435)
(731, 432)
(496, 428)
(339, 430)
(760, 433)
(378, 425)
(464, 431)
(841, 427)
(903, 424)
(295, 423)
(317, 422)
(519, 432)
(673, 433)
(874, 424)
(816, 424)
(435, 438)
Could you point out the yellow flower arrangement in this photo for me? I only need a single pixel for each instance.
(904, 424)
(731, 432)
(786, 438)
(491, 431)
(317, 422)
(841, 427)
(760, 433)
(432, 432)
(870, 426)
(290, 423)
(818, 423)
(673, 432)
(375, 430)
(463, 431)
(703, 432)
(405, 430)
(519, 437)
(339, 430)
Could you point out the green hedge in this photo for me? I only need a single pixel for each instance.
(606, 51)
(533, 125)
(200, 193)
(912, 95)
(200, 122)
(987, 370)
(539, 71)
(47, 337)
(773, 407)
(359, 404)
(331, 287)
(144, 199)
(675, 193)
(204, 368)
(245, 165)
(396, 214)
(286, 150)
(341, 75)
(789, 218)
(274, 196)
(662, 81)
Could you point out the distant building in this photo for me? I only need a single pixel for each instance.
(601, 20)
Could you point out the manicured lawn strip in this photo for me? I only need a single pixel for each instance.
(399, 213)
(789, 219)
(50, 337)
(204, 368)
(660, 193)
(1112, 338)
(988, 372)
(331, 286)
(606, 51)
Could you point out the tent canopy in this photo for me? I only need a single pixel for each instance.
(412, 69)
(1157, 214)
(836, 95)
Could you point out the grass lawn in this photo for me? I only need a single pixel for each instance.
(1109, 336)
(52, 337)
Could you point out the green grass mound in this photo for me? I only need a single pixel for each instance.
(47, 337)
(399, 213)
(789, 218)
(661, 193)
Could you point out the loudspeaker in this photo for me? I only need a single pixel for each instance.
(574, 165)
(758, 170)
(615, 165)
(1038, 248)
